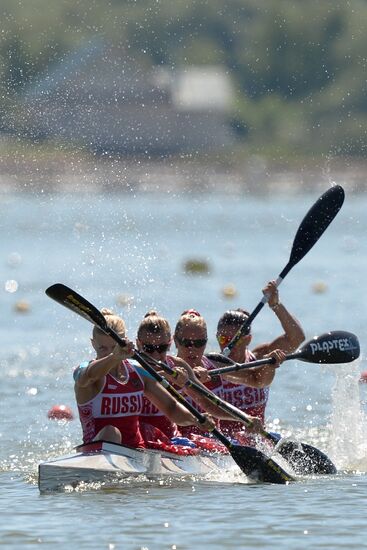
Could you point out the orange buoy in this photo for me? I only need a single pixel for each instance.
(22, 306)
(319, 287)
(60, 412)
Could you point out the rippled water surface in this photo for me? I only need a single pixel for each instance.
(127, 252)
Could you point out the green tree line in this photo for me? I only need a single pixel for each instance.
(298, 66)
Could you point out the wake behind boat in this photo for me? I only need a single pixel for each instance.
(102, 461)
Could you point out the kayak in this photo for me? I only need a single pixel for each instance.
(102, 461)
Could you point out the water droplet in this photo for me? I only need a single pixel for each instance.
(11, 285)
(14, 259)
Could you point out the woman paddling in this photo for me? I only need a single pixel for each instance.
(154, 339)
(248, 390)
(109, 392)
(190, 340)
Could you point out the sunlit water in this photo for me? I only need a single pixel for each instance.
(127, 252)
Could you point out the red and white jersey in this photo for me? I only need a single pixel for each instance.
(150, 414)
(118, 404)
(246, 398)
(215, 385)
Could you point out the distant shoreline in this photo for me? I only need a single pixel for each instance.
(46, 171)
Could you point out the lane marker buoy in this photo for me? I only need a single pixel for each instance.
(60, 412)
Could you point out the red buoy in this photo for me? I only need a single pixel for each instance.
(60, 412)
(363, 376)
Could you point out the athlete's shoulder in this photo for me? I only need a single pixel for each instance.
(78, 371)
(139, 369)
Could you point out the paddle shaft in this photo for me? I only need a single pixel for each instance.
(337, 346)
(252, 365)
(313, 225)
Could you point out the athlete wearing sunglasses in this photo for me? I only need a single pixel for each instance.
(249, 389)
(190, 340)
(154, 338)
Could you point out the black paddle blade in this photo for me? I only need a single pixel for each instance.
(337, 346)
(72, 300)
(257, 466)
(306, 459)
(219, 358)
(316, 221)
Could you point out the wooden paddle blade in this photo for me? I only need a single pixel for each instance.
(306, 459)
(73, 301)
(337, 346)
(315, 222)
(257, 466)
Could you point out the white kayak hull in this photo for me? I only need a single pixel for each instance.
(104, 462)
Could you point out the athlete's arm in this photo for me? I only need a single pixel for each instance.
(97, 369)
(293, 333)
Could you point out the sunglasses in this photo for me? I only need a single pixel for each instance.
(189, 343)
(151, 348)
(224, 340)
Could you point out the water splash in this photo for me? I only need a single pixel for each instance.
(348, 426)
(146, 483)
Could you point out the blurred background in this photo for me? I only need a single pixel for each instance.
(161, 154)
(93, 88)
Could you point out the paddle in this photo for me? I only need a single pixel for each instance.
(313, 225)
(252, 462)
(333, 347)
(304, 459)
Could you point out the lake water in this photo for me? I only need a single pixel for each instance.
(127, 252)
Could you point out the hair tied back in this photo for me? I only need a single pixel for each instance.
(192, 312)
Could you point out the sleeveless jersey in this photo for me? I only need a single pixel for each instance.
(118, 404)
(246, 398)
(151, 415)
(215, 385)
